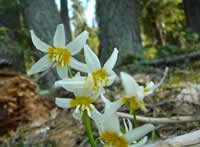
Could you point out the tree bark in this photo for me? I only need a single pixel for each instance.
(43, 17)
(65, 18)
(119, 28)
(192, 11)
(9, 41)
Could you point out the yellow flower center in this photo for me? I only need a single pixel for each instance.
(134, 102)
(60, 55)
(146, 90)
(83, 102)
(113, 139)
(100, 78)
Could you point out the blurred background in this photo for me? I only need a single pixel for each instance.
(149, 34)
(140, 29)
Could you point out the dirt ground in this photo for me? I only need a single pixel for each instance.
(48, 125)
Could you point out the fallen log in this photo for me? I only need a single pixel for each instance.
(191, 139)
(163, 120)
(171, 60)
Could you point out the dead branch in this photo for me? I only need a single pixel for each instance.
(190, 139)
(165, 120)
(171, 60)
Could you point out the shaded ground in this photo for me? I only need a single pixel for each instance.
(58, 128)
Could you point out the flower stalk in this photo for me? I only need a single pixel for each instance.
(134, 119)
(70, 72)
(88, 129)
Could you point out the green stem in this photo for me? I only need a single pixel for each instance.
(134, 119)
(88, 129)
(69, 70)
(154, 136)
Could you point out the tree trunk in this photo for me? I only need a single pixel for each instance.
(192, 11)
(119, 28)
(9, 40)
(43, 17)
(65, 18)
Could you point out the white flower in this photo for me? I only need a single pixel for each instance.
(97, 78)
(136, 93)
(60, 53)
(109, 127)
(82, 102)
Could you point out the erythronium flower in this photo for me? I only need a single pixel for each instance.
(82, 102)
(136, 93)
(97, 78)
(59, 53)
(109, 127)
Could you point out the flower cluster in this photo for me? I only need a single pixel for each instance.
(87, 89)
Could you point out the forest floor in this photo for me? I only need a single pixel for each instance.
(52, 126)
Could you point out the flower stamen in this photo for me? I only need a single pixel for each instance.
(100, 78)
(82, 103)
(60, 55)
(134, 102)
(146, 90)
(113, 139)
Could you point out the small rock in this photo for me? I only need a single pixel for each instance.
(189, 95)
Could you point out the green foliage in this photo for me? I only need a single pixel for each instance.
(80, 25)
(154, 137)
(161, 18)
(163, 28)
(21, 140)
(130, 59)
(189, 42)
(4, 34)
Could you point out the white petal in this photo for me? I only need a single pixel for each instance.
(140, 92)
(75, 64)
(150, 85)
(76, 115)
(62, 72)
(129, 84)
(63, 102)
(77, 109)
(138, 133)
(111, 61)
(41, 65)
(40, 45)
(111, 122)
(88, 111)
(110, 114)
(111, 107)
(81, 92)
(125, 125)
(70, 84)
(163, 79)
(91, 59)
(141, 143)
(76, 45)
(130, 126)
(111, 78)
(77, 75)
(97, 117)
(59, 37)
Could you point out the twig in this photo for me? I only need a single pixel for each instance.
(190, 139)
(165, 120)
